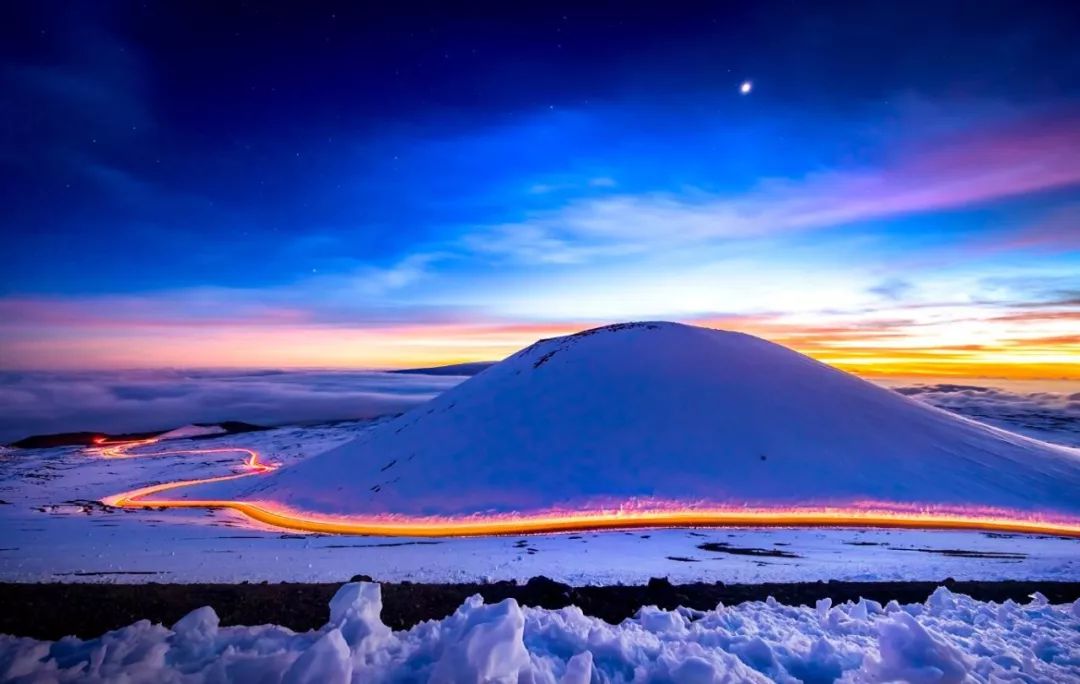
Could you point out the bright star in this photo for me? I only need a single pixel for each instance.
(746, 87)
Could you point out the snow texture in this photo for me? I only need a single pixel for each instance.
(949, 639)
(675, 413)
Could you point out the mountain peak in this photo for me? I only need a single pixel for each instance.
(676, 415)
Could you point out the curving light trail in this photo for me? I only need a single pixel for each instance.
(118, 450)
(865, 515)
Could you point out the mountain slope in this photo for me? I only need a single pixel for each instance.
(675, 413)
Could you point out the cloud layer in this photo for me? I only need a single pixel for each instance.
(42, 402)
(1052, 416)
(130, 401)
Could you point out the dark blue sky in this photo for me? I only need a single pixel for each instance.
(353, 164)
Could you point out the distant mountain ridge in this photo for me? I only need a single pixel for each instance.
(452, 369)
(193, 431)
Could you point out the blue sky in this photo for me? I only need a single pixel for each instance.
(345, 182)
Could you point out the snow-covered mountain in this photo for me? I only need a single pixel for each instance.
(675, 413)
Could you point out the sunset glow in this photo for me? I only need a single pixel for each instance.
(886, 225)
(956, 343)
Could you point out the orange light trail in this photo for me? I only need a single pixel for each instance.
(884, 515)
(119, 450)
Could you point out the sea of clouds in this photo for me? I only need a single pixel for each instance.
(134, 401)
(949, 639)
(1052, 416)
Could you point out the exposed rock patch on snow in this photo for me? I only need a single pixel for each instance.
(950, 638)
(668, 412)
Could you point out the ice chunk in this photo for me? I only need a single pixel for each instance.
(24, 658)
(489, 647)
(858, 612)
(578, 669)
(940, 601)
(910, 654)
(194, 634)
(822, 607)
(356, 610)
(757, 654)
(655, 620)
(821, 665)
(327, 661)
(695, 670)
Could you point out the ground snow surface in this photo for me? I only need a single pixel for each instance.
(53, 530)
(950, 638)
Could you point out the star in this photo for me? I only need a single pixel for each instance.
(746, 87)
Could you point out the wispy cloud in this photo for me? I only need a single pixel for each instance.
(1055, 231)
(892, 288)
(962, 171)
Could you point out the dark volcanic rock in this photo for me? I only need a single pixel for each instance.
(51, 611)
(231, 427)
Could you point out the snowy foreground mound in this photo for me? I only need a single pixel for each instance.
(661, 414)
(952, 638)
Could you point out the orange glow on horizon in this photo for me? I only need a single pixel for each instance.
(1004, 347)
(670, 514)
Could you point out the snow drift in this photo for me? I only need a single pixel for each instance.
(949, 639)
(669, 413)
(192, 430)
